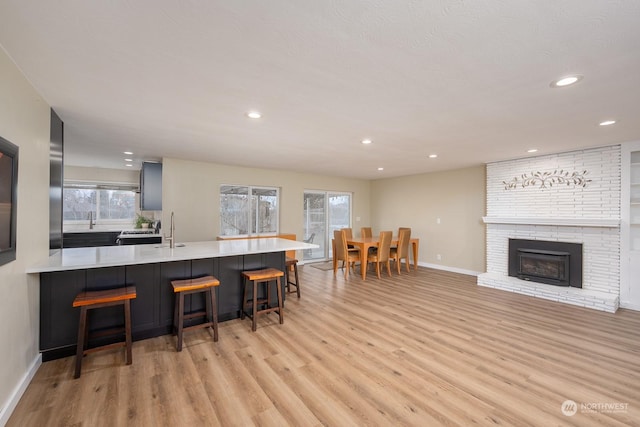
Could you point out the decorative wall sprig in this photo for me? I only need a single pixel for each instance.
(548, 179)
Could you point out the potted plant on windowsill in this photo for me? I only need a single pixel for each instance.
(142, 221)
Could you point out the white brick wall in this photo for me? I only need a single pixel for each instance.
(600, 199)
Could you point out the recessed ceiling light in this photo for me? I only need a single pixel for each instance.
(532, 150)
(566, 81)
(366, 141)
(607, 123)
(129, 165)
(128, 160)
(433, 156)
(128, 153)
(380, 169)
(254, 115)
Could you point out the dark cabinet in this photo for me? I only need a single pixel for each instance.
(58, 320)
(145, 309)
(89, 239)
(151, 186)
(139, 239)
(152, 310)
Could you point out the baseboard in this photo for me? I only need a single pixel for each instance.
(451, 269)
(629, 306)
(11, 404)
(425, 264)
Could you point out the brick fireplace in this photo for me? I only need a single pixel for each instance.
(570, 197)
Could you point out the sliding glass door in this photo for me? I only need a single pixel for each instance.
(324, 212)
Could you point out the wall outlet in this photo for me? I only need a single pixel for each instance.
(357, 219)
(439, 257)
(437, 220)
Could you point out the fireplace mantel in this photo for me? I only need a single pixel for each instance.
(567, 222)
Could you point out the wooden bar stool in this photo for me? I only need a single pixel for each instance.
(192, 286)
(292, 263)
(99, 299)
(256, 277)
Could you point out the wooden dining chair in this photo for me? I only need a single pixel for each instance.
(341, 253)
(382, 253)
(365, 232)
(349, 235)
(348, 232)
(400, 230)
(402, 251)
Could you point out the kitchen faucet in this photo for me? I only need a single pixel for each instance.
(171, 238)
(91, 223)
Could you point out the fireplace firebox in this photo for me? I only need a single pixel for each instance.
(553, 263)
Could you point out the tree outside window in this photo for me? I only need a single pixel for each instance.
(247, 210)
(103, 204)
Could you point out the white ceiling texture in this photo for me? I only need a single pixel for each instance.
(466, 80)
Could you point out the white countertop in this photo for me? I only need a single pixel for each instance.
(112, 256)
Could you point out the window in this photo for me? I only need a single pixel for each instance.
(104, 204)
(247, 211)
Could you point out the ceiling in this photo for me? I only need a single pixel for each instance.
(468, 81)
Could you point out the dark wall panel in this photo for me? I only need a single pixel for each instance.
(56, 180)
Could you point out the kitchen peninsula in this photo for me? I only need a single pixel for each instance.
(150, 268)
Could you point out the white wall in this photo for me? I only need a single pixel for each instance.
(24, 120)
(79, 173)
(599, 199)
(192, 191)
(456, 197)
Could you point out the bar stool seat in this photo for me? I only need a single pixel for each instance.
(264, 276)
(192, 286)
(292, 263)
(91, 300)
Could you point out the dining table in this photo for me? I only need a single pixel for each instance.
(364, 243)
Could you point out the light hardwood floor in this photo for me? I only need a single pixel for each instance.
(424, 349)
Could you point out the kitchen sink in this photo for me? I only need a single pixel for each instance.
(166, 245)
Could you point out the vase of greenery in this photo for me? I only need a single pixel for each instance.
(142, 221)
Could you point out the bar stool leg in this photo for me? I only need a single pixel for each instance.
(81, 341)
(279, 292)
(127, 330)
(268, 283)
(175, 316)
(244, 298)
(287, 281)
(180, 319)
(295, 271)
(255, 305)
(87, 322)
(214, 314)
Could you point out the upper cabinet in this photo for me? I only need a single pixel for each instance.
(151, 186)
